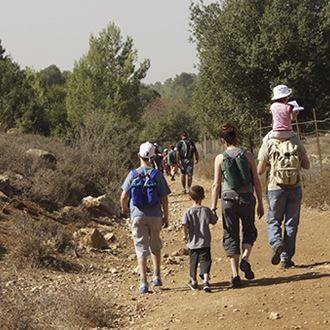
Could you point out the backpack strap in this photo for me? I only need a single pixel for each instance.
(153, 173)
(135, 173)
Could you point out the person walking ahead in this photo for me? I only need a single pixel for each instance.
(235, 178)
(187, 156)
(283, 158)
(147, 191)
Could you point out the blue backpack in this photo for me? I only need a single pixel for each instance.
(144, 191)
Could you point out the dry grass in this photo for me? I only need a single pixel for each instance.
(41, 243)
(65, 309)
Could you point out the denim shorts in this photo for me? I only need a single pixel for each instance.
(187, 166)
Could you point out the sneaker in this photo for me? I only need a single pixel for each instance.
(246, 268)
(157, 282)
(193, 286)
(144, 288)
(172, 178)
(276, 257)
(206, 287)
(184, 191)
(236, 282)
(287, 264)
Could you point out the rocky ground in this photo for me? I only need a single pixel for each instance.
(288, 299)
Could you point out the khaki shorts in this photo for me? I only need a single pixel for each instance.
(146, 235)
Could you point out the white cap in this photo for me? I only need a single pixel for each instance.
(280, 92)
(147, 150)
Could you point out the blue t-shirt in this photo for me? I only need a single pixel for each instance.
(162, 187)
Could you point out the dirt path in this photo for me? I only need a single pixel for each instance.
(301, 295)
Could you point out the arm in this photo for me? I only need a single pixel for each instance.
(196, 155)
(185, 232)
(262, 166)
(256, 183)
(304, 161)
(216, 187)
(124, 199)
(165, 210)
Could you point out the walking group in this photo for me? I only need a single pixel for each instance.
(236, 183)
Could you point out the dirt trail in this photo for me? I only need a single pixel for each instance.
(301, 295)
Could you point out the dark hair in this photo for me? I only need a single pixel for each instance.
(229, 134)
(197, 193)
(185, 134)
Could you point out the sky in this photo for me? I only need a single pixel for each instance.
(38, 33)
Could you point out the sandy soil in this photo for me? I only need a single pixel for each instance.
(301, 295)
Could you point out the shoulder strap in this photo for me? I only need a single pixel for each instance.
(153, 173)
(135, 173)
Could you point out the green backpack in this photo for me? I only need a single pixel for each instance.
(236, 170)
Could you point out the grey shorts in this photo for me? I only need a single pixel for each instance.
(146, 235)
(187, 167)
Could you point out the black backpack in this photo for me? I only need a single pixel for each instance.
(187, 149)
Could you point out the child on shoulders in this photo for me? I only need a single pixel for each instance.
(196, 222)
(283, 113)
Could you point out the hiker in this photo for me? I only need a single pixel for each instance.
(186, 153)
(283, 113)
(158, 159)
(235, 180)
(283, 159)
(166, 165)
(172, 162)
(145, 196)
(196, 222)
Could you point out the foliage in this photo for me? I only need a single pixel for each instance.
(165, 119)
(180, 88)
(248, 46)
(107, 78)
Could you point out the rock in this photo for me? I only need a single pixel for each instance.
(274, 316)
(110, 237)
(94, 239)
(100, 205)
(180, 252)
(14, 131)
(47, 158)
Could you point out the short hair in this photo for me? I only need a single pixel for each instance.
(197, 193)
(184, 134)
(229, 134)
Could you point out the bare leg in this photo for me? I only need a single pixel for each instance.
(234, 262)
(183, 181)
(142, 262)
(247, 248)
(189, 181)
(156, 263)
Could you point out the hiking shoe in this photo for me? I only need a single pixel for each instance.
(236, 282)
(246, 268)
(172, 178)
(184, 191)
(193, 286)
(276, 257)
(206, 287)
(157, 282)
(287, 264)
(144, 288)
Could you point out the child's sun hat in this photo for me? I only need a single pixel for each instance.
(280, 92)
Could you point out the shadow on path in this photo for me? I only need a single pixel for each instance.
(313, 265)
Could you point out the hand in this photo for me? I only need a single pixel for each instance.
(125, 211)
(165, 222)
(184, 238)
(196, 161)
(260, 210)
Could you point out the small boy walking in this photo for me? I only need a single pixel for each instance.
(196, 222)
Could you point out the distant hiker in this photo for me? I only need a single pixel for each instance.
(235, 180)
(172, 162)
(167, 167)
(196, 221)
(158, 159)
(283, 160)
(144, 195)
(283, 113)
(186, 154)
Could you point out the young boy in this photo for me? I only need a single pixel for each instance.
(196, 221)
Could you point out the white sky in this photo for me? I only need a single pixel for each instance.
(38, 33)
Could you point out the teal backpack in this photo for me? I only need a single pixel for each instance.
(236, 170)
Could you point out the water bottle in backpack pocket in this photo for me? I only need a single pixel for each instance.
(144, 192)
